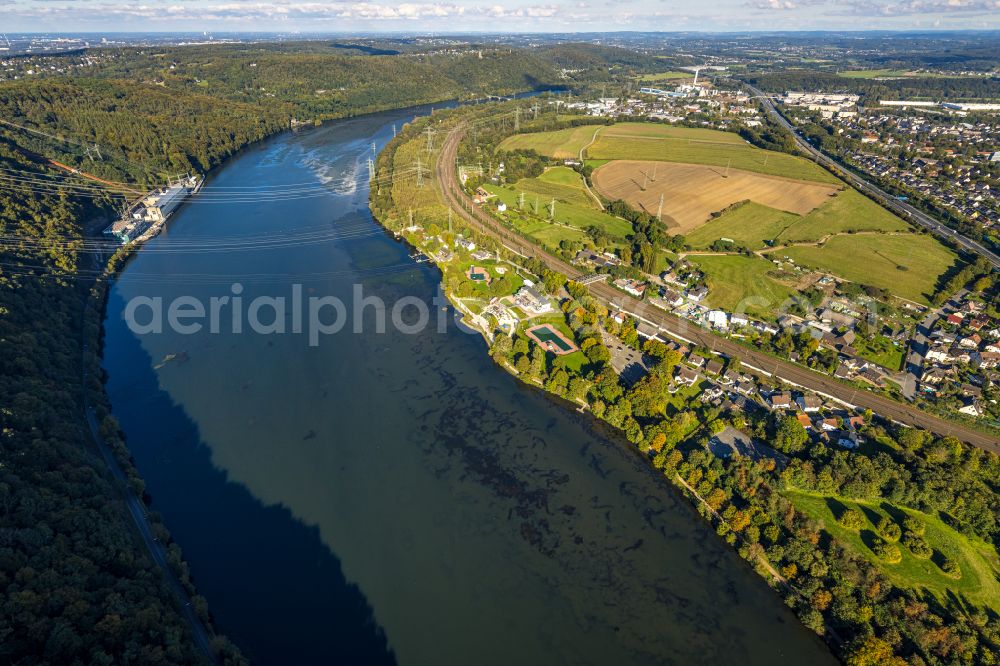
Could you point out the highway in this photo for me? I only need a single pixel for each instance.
(682, 329)
(901, 208)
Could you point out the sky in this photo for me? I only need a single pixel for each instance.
(494, 16)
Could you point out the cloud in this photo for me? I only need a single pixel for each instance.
(286, 11)
(878, 8)
(773, 4)
(891, 8)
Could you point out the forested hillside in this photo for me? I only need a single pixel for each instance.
(144, 131)
(76, 586)
(324, 83)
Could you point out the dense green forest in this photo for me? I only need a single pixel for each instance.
(321, 84)
(144, 132)
(77, 585)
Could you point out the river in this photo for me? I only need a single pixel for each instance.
(390, 497)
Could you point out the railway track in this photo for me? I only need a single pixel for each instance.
(682, 329)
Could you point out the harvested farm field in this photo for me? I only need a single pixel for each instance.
(693, 192)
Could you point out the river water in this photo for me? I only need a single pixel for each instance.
(395, 498)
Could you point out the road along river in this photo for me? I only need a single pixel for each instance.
(393, 497)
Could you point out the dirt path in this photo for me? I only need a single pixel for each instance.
(586, 185)
(760, 558)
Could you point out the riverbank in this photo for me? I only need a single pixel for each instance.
(754, 557)
(681, 416)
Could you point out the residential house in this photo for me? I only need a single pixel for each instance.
(697, 294)
(687, 376)
(633, 287)
(780, 400)
(714, 367)
(465, 244)
(809, 404)
(718, 319)
(971, 408)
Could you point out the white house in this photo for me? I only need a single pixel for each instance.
(718, 319)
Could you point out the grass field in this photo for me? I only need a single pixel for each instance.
(666, 76)
(739, 283)
(691, 192)
(753, 224)
(560, 183)
(977, 560)
(907, 265)
(881, 350)
(576, 217)
(665, 143)
(561, 144)
(653, 141)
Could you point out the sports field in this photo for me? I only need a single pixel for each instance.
(907, 265)
(691, 192)
(561, 144)
(752, 224)
(741, 284)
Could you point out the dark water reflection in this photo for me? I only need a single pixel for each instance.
(393, 497)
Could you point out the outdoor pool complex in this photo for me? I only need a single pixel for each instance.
(546, 335)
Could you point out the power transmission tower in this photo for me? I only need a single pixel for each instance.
(374, 149)
(520, 203)
(552, 208)
(645, 180)
(449, 220)
(371, 169)
(728, 164)
(430, 140)
(394, 130)
(534, 108)
(517, 119)
(536, 205)
(420, 174)
(654, 172)
(659, 212)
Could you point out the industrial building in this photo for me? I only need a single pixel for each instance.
(153, 210)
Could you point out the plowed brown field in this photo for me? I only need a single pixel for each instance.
(692, 192)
